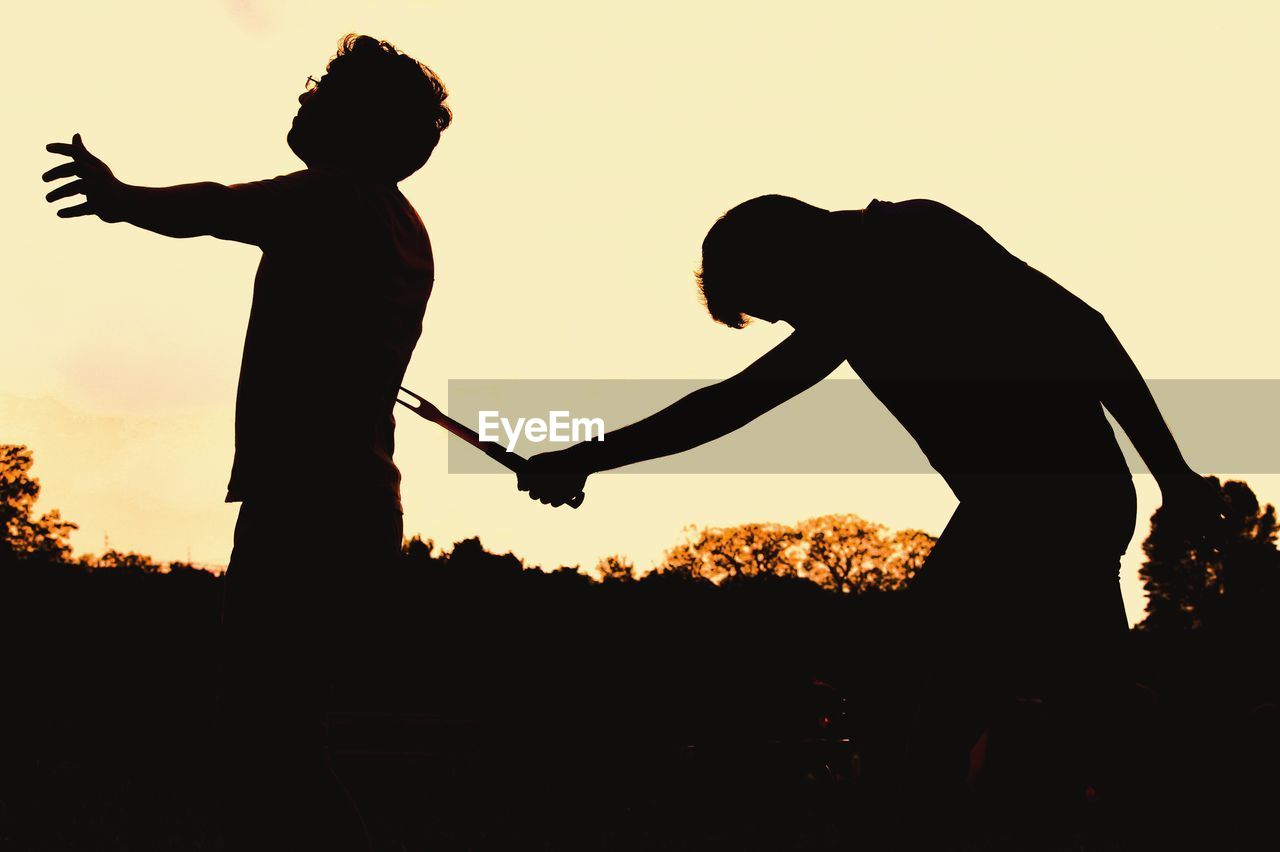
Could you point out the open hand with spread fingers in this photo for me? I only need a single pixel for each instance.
(104, 194)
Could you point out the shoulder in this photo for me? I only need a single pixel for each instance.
(925, 219)
(321, 182)
(921, 211)
(301, 187)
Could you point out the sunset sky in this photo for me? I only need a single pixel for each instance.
(1126, 150)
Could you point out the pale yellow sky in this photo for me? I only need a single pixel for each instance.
(1127, 150)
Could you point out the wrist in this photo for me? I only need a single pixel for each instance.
(583, 457)
(1175, 475)
(124, 201)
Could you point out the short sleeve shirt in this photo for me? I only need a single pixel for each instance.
(338, 303)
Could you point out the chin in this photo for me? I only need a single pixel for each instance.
(298, 144)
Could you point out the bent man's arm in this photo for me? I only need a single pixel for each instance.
(1122, 389)
(1192, 501)
(794, 365)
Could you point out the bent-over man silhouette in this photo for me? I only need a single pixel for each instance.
(337, 309)
(1001, 376)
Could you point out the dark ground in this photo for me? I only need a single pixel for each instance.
(536, 711)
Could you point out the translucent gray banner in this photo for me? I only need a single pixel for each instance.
(838, 426)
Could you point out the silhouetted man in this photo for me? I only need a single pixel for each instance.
(1001, 376)
(338, 303)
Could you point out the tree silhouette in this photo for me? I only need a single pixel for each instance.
(493, 567)
(615, 569)
(415, 550)
(748, 550)
(849, 554)
(113, 558)
(22, 535)
(843, 553)
(1194, 582)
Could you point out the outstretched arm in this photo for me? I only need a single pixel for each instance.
(794, 365)
(188, 210)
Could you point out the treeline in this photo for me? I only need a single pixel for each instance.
(1227, 579)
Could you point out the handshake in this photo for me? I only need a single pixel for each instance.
(553, 478)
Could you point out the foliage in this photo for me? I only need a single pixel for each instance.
(1193, 582)
(849, 554)
(842, 553)
(113, 558)
(615, 569)
(22, 534)
(415, 549)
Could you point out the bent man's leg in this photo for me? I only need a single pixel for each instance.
(1008, 621)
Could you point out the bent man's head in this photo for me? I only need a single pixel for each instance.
(758, 257)
(376, 111)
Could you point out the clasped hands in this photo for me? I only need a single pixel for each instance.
(553, 478)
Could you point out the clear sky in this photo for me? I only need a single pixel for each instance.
(1127, 150)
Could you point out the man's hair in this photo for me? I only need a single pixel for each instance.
(395, 104)
(750, 249)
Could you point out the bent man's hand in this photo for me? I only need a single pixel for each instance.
(104, 194)
(1194, 504)
(552, 478)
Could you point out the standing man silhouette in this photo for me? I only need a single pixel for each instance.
(338, 304)
(1001, 376)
